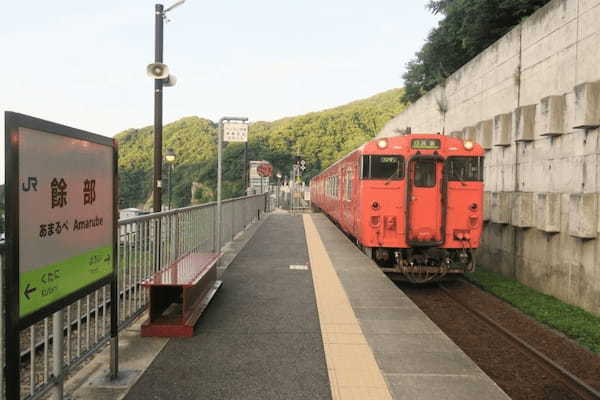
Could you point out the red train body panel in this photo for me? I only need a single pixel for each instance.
(414, 202)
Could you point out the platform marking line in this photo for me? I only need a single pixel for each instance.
(299, 267)
(353, 371)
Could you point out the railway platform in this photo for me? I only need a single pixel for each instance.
(303, 314)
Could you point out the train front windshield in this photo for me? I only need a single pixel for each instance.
(383, 167)
(465, 169)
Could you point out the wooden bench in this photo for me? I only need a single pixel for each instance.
(180, 293)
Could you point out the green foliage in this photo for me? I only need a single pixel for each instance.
(468, 28)
(578, 324)
(321, 137)
(194, 141)
(203, 195)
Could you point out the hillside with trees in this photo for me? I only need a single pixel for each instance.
(321, 137)
(468, 28)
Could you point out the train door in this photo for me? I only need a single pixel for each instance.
(426, 197)
(346, 196)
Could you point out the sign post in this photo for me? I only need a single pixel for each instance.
(61, 225)
(235, 132)
(225, 131)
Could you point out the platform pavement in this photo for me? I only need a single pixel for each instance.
(260, 336)
(136, 353)
(274, 333)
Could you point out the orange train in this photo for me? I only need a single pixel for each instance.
(414, 203)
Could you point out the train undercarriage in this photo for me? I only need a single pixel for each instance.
(422, 264)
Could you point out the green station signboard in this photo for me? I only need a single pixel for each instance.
(61, 215)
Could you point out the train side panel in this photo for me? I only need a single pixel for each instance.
(349, 200)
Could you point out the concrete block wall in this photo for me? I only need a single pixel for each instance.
(532, 100)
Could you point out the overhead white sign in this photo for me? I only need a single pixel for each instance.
(235, 132)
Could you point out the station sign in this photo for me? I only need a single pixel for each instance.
(61, 215)
(235, 132)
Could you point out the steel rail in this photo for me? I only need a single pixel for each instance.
(574, 384)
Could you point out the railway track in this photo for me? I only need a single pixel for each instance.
(573, 383)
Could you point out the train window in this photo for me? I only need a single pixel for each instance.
(336, 187)
(383, 167)
(332, 186)
(348, 192)
(366, 167)
(465, 169)
(425, 173)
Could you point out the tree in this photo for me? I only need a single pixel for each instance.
(439, 6)
(468, 28)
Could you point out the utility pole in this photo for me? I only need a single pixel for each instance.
(158, 105)
(160, 73)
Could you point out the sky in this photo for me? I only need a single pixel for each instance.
(82, 63)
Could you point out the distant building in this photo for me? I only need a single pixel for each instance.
(125, 231)
(260, 173)
(130, 213)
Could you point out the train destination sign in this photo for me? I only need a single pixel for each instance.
(61, 182)
(235, 132)
(426, 144)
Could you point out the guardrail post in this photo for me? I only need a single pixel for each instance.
(214, 230)
(177, 229)
(157, 244)
(57, 352)
(2, 310)
(232, 206)
(114, 327)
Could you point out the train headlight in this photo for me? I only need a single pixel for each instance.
(382, 143)
(468, 144)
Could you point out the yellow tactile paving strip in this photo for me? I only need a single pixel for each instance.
(353, 371)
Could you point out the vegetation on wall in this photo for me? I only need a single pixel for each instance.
(576, 323)
(321, 137)
(468, 28)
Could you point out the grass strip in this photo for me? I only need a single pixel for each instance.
(576, 323)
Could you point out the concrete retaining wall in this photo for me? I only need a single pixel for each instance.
(533, 101)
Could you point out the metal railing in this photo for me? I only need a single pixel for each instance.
(146, 244)
(292, 198)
